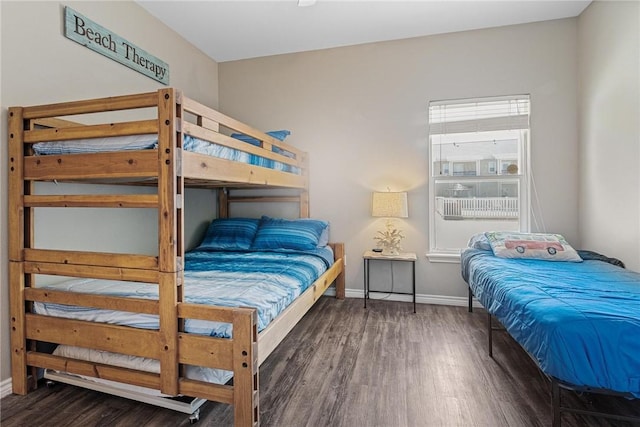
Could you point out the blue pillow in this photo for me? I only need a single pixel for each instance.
(324, 237)
(230, 234)
(277, 134)
(298, 234)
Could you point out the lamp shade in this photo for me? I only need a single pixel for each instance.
(390, 205)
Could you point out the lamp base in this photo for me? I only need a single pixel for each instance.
(389, 240)
(390, 252)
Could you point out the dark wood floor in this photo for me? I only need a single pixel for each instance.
(347, 366)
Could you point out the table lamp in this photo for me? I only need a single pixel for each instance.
(389, 205)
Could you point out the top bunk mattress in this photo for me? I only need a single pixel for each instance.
(150, 141)
(579, 320)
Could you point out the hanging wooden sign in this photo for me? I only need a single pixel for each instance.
(97, 38)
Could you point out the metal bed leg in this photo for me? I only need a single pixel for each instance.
(555, 403)
(195, 417)
(490, 335)
(470, 300)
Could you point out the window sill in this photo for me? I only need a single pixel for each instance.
(444, 257)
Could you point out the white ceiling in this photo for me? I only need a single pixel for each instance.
(232, 30)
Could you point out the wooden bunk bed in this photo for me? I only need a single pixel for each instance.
(170, 169)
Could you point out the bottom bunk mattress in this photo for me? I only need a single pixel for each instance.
(580, 321)
(268, 281)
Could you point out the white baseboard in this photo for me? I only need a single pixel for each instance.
(5, 388)
(420, 298)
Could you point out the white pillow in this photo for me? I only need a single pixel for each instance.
(548, 247)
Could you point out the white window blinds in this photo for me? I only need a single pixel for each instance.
(473, 115)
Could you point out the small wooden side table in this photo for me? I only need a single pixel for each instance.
(377, 256)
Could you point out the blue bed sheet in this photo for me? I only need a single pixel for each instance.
(579, 321)
(268, 281)
(150, 141)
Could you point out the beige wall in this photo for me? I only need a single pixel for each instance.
(40, 65)
(609, 64)
(361, 112)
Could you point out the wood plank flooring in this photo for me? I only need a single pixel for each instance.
(343, 365)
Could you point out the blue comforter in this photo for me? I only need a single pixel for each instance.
(579, 321)
(268, 281)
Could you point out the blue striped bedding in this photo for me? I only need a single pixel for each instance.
(268, 281)
(579, 321)
(150, 141)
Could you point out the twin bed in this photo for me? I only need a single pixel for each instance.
(196, 323)
(579, 321)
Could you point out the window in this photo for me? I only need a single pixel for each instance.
(478, 180)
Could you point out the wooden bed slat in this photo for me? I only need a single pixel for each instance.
(221, 139)
(201, 166)
(132, 305)
(265, 199)
(95, 370)
(124, 102)
(92, 271)
(91, 131)
(100, 336)
(205, 351)
(94, 201)
(215, 392)
(54, 122)
(207, 123)
(205, 312)
(104, 259)
(126, 164)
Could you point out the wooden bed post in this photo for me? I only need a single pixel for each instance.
(170, 247)
(304, 204)
(16, 185)
(223, 202)
(167, 191)
(18, 238)
(338, 251)
(304, 195)
(18, 333)
(245, 369)
(168, 296)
